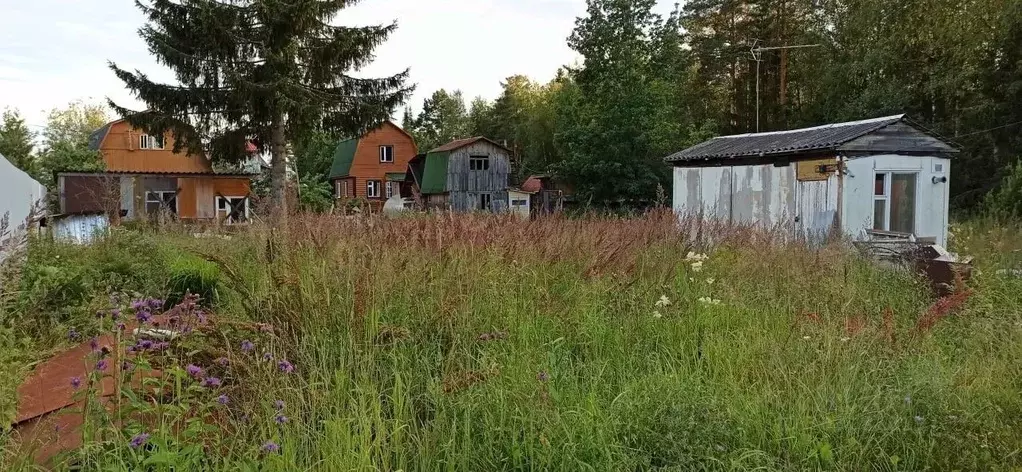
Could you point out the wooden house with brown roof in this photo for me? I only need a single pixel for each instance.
(145, 177)
(464, 175)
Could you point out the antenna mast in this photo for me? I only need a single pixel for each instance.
(757, 55)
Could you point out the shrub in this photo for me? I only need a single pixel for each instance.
(189, 274)
(1005, 202)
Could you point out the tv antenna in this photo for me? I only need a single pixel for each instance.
(757, 55)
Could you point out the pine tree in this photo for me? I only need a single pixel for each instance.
(16, 141)
(265, 71)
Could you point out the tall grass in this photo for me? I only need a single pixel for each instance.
(490, 343)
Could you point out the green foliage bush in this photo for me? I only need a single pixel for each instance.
(1005, 202)
(190, 274)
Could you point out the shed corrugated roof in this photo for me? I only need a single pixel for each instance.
(344, 155)
(782, 142)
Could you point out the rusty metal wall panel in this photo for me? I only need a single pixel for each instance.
(97, 193)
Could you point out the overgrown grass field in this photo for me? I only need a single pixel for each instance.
(487, 343)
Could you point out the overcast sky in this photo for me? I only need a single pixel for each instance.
(55, 51)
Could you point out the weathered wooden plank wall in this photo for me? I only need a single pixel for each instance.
(466, 185)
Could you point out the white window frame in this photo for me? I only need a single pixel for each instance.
(159, 198)
(389, 186)
(223, 214)
(147, 141)
(387, 153)
(886, 197)
(373, 188)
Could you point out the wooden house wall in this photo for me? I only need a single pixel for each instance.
(465, 185)
(121, 154)
(367, 166)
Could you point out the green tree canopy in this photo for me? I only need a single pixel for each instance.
(16, 141)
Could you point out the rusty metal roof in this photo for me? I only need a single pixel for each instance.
(783, 142)
(460, 143)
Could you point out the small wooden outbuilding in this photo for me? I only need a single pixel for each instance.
(465, 175)
(872, 179)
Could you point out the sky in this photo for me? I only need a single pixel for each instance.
(56, 51)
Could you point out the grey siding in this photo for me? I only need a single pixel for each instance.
(466, 185)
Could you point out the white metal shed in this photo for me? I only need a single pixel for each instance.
(878, 178)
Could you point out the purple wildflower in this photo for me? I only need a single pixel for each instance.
(115, 313)
(138, 440)
(121, 327)
(223, 361)
(267, 356)
(101, 365)
(73, 335)
(76, 382)
(100, 315)
(186, 330)
(137, 304)
(279, 405)
(222, 399)
(94, 344)
(201, 315)
(145, 344)
(132, 348)
(155, 303)
(270, 447)
(542, 376)
(161, 346)
(193, 370)
(143, 316)
(286, 367)
(211, 382)
(280, 419)
(126, 366)
(247, 346)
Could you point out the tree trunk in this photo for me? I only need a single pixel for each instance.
(278, 174)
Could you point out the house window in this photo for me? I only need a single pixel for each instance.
(518, 203)
(479, 163)
(373, 189)
(343, 189)
(894, 202)
(392, 187)
(146, 141)
(484, 201)
(386, 153)
(161, 200)
(232, 209)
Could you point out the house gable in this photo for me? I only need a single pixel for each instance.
(359, 160)
(119, 145)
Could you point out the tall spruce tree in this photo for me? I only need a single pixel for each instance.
(265, 71)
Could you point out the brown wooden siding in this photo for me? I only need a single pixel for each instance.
(196, 198)
(89, 194)
(121, 154)
(367, 165)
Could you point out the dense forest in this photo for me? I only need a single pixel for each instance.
(649, 85)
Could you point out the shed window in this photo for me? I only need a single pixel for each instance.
(518, 203)
(161, 200)
(146, 141)
(386, 153)
(485, 200)
(479, 163)
(894, 202)
(232, 209)
(373, 188)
